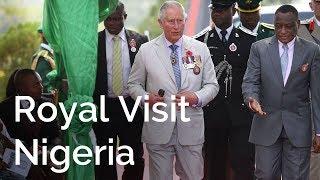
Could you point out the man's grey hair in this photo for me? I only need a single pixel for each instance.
(169, 4)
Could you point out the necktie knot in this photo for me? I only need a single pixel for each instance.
(173, 47)
(115, 38)
(223, 33)
(285, 47)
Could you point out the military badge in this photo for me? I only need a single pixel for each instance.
(233, 47)
(188, 60)
(173, 59)
(197, 61)
(133, 45)
(236, 35)
(196, 70)
(304, 67)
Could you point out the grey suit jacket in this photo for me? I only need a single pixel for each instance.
(152, 70)
(286, 106)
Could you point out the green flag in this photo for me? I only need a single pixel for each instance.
(70, 27)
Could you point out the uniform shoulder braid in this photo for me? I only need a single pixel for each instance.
(309, 23)
(203, 32)
(267, 26)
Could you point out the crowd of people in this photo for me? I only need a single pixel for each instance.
(253, 92)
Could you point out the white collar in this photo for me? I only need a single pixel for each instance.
(229, 29)
(178, 43)
(290, 44)
(254, 32)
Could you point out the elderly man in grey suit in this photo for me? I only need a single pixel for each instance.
(181, 66)
(281, 70)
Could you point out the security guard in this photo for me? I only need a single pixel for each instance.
(310, 30)
(227, 119)
(42, 60)
(249, 13)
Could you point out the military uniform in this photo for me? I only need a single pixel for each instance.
(310, 30)
(43, 63)
(227, 118)
(265, 30)
(262, 30)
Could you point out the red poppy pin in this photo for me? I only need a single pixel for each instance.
(311, 25)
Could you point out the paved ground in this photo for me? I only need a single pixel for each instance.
(146, 168)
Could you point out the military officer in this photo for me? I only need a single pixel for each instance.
(43, 61)
(310, 30)
(249, 13)
(227, 119)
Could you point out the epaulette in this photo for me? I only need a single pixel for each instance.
(201, 33)
(247, 31)
(268, 26)
(306, 21)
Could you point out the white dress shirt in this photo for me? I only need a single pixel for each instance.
(290, 56)
(229, 29)
(179, 50)
(126, 65)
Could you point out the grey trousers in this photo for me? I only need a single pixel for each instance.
(189, 161)
(282, 159)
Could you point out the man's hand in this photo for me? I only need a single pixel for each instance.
(316, 144)
(154, 98)
(190, 97)
(255, 107)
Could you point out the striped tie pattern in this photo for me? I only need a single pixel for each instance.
(284, 60)
(116, 67)
(176, 68)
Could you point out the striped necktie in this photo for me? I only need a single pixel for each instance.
(175, 64)
(284, 60)
(117, 67)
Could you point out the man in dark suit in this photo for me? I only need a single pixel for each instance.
(227, 119)
(117, 48)
(281, 72)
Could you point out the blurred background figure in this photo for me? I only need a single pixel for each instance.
(27, 82)
(249, 13)
(43, 61)
(310, 30)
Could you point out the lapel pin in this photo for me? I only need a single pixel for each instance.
(233, 47)
(133, 45)
(304, 67)
(196, 70)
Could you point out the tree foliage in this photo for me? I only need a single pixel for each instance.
(17, 46)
